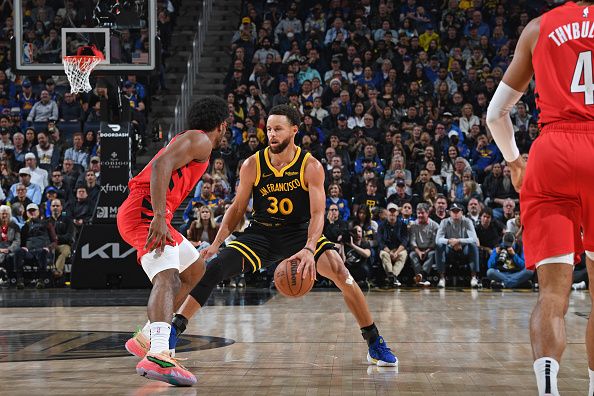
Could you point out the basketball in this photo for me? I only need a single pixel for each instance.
(288, 282)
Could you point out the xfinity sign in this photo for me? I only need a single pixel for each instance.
(107, 251)
(108, 188)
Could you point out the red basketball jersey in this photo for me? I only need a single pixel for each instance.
(182, 181)
(562, 61)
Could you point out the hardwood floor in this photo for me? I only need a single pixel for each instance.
(454, 342)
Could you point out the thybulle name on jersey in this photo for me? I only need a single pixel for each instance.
(572, 31)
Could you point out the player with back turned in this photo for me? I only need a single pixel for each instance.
(144, 220)
(289, 201)
(556, 189)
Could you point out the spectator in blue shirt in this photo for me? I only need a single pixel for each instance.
(206, 197)
(506, 266)
(484, 156)
(334, 197)
(477, 22)
(369, 159)
(33, 190)
(337, 32)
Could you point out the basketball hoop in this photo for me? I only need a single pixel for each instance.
(78, 68)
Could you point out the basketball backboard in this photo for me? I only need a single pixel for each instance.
(123, 30)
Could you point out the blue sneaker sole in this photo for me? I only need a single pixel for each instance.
(381, 363)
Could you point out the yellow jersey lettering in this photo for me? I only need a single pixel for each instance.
(280, 187)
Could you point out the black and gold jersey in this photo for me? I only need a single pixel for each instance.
(280, 197)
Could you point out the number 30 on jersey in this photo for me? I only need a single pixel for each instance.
(584, 84)
(285, 206)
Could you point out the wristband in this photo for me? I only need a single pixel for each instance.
(309, 250)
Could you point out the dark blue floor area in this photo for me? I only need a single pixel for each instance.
(11, 298)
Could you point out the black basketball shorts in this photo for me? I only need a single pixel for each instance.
(263, 246)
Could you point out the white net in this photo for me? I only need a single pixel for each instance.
(78, 69)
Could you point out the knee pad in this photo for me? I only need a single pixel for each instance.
(226, 264)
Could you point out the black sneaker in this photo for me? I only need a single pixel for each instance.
(496, 285)
(40, 284)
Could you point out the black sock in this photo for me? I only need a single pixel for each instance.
(370, 333)
(179, 322)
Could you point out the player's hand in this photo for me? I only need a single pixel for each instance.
(307, 263)
(158, 235)
(209, 251)
(518, 169)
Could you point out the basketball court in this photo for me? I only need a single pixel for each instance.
(257, 342)
(244, 342)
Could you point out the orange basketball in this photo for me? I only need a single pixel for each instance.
(288, 282)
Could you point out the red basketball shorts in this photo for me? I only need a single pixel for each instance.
(557, 197)
(134, 219)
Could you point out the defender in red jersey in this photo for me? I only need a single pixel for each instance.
(144, 221)
(557, 193)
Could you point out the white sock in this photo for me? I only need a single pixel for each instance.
(146, 330)
(160, 337)
(546, 369)
(591, 389)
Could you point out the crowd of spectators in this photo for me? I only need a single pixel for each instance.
(50, 165)
(393, 97)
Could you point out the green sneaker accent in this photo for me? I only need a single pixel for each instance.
(160, 362)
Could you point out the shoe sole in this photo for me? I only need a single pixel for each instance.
(134, 349)
(168, 378)
(381, 363)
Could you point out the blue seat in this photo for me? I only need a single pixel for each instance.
(92, 126)
(40, 126)
(68, 128)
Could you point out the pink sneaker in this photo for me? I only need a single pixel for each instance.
(162, 367)
(138, 345)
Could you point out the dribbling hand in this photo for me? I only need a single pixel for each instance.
(158, 235)
(307, 263)
(209, 251)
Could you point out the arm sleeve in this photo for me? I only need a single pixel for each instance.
(519, 260)
(403, 235)
(16, 243)
(32, 113)
(500, 123)
(492, 260)
(55, 110)
(413, 236)
(470, 231)
(24, 235)
(51, 231)
(440, 238)
(36, 196)
(68, 236)
(379, 238)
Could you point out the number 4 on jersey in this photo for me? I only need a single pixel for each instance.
(583, 68)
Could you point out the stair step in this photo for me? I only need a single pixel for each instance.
(214, 63)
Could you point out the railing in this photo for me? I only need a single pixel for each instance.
(184, 100)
